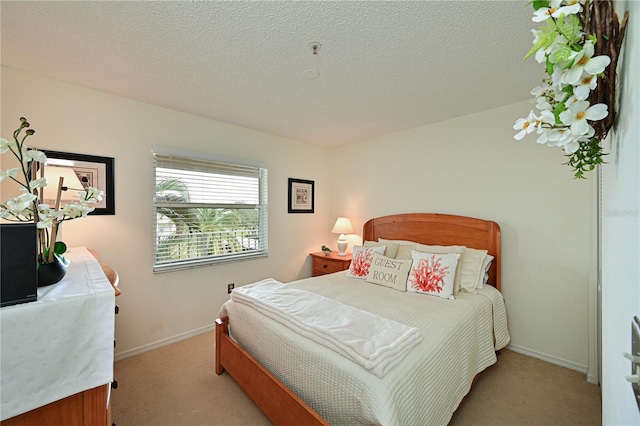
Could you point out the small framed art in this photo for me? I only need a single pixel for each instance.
(90, 170)
(301, 194)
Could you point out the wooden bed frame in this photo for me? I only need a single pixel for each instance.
(277, 401)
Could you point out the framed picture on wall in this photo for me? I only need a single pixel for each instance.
(301, 194)
(80, 171)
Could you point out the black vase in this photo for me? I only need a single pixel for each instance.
(51, 273)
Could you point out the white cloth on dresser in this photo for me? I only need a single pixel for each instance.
(372, 341)
(60, 344)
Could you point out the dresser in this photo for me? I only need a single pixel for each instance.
(323, 264)
(56, 366)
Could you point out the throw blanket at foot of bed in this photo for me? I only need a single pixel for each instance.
(374, 342)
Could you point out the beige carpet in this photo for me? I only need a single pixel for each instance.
(177, 385)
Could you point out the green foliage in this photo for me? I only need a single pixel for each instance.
(201, 232)
(557, 111)
(537, 4)
(571, 29)
(586, 158)
(546, 36)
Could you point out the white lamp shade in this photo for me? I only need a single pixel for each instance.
(71, 181)
(342, 226)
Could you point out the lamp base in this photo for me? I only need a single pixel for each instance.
(342, 248)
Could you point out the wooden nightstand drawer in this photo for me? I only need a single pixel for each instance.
(323, 264)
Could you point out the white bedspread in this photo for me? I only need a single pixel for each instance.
(374, 342)
(459, 340)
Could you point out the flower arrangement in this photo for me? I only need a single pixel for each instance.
(29, 206)
(579, 45)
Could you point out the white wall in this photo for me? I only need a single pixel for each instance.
(155, 307)
(621, 233)
(472, 166)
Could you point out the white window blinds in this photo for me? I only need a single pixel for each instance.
(207, 211)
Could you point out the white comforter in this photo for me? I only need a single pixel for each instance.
(373, 341)
(459, 339)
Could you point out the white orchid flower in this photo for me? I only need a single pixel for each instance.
(21, 202)
(11, 173)
(578, 113)
(5, 145)
(91, 195)
(34, 155)
(525, 125)
(585, 63)
(45, 221)
(38, 183)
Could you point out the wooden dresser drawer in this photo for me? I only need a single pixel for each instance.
(323, 264)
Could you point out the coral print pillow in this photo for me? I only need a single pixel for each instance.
(362, 257)
(433, 273)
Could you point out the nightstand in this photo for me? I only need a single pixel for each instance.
(323, 264)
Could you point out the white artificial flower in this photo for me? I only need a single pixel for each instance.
(544, 13)
(578, 113)
(525, 125)
(34, 155)
(584, 62)
(542, 103)
(45, 220)
(91, 194)
(555, 9)
(555, 136)
(540, 90)
(585, 85)
(4, 145)
(20, 203)
(12, 173)
(38, 183)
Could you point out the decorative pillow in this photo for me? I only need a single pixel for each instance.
(433, 273)
(486, 264)
(389, 272)
(399, 242)
(362, 257)
(390, 251)
(404, 252)
(471, 269)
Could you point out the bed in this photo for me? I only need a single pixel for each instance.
(294, 380)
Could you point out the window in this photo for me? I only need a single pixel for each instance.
(207, 211)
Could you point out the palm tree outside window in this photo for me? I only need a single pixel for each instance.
(207, 211)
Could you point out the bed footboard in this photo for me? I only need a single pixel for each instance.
(277, 402)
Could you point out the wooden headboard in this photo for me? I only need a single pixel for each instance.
(443, 230)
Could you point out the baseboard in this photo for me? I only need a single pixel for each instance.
(169, 340)
(549, 358)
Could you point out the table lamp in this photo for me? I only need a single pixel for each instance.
(342, 226)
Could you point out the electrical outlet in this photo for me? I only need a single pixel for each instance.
(230, 287)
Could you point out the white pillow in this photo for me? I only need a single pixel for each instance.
(362, 257)
(433, 273)
(399, 242)
(391, 248)
(471, 270)
(389, 272)
(404, 252)
(486, 264)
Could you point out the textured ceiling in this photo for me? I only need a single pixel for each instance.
(382, 66)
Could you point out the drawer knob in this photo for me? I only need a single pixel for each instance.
(325, 265)
(117, 309)
(114, 384)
